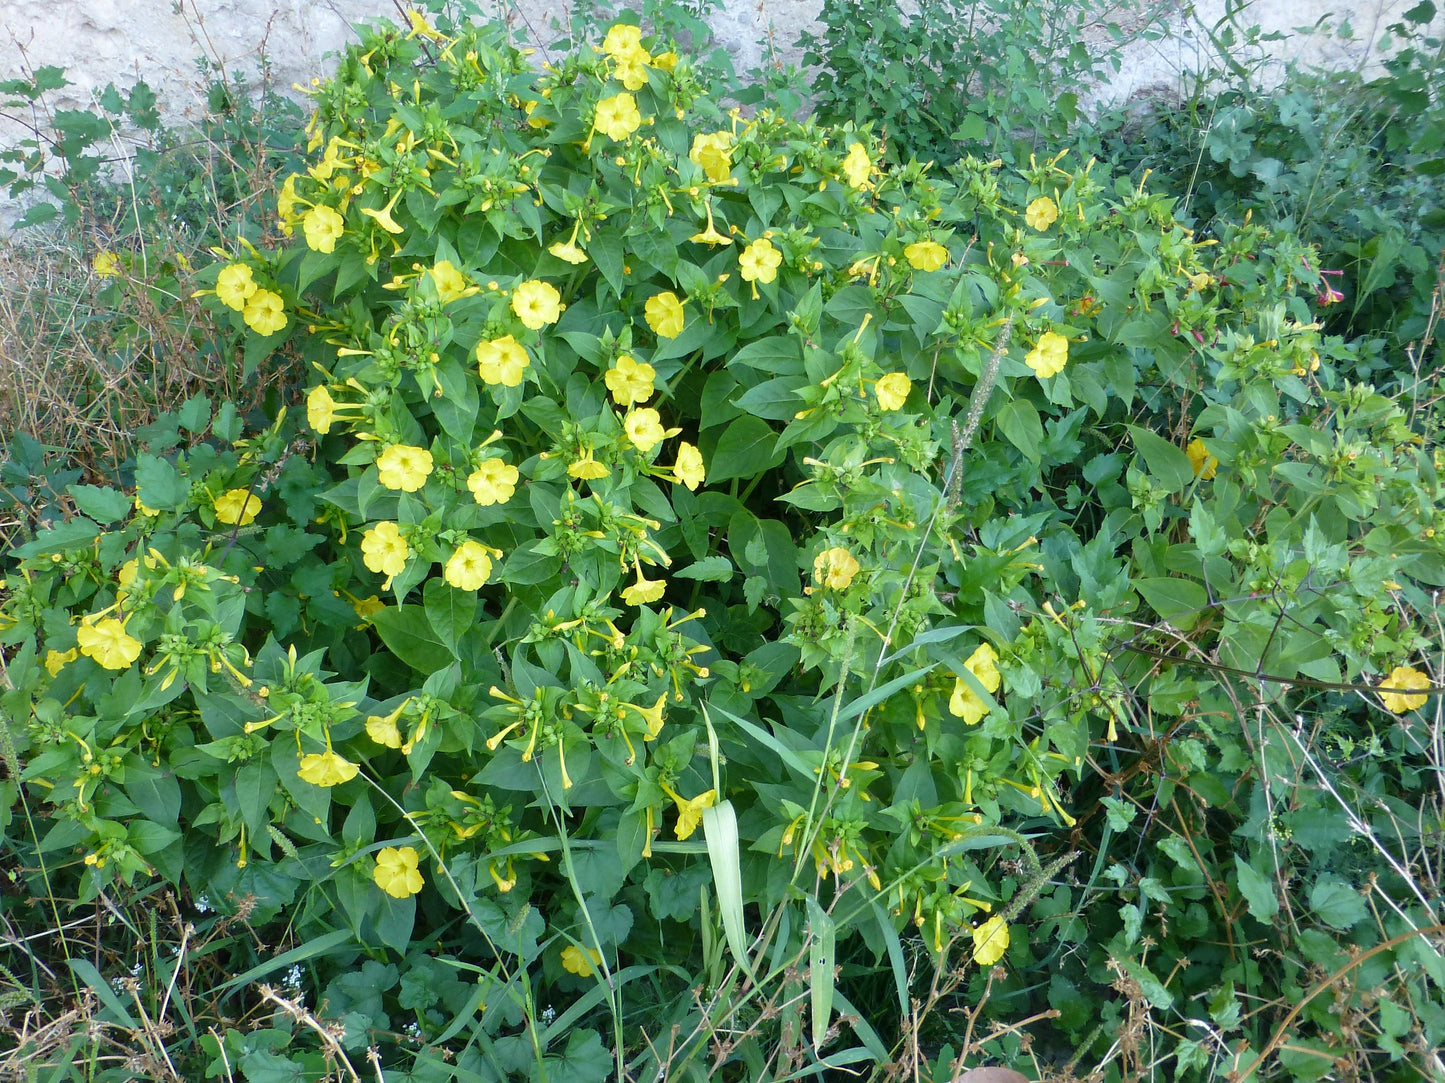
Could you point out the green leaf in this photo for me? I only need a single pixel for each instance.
(713, 569)
(1019, 422)
(585, 1060)
(720, 825)
(1257, 889)
(746, 448)
(450, 613)
(1164, 461)
(409, 635)
(1181, 602)
(195, 414)
(1337, 903)
(101, 504)
(158, 484)
(822, 945)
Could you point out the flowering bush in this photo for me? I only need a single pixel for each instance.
(705, 557)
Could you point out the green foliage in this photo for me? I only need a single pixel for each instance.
(1354, 166)
(999, 77)
(719, 587)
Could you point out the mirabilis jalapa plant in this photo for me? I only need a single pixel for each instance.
(687, 526)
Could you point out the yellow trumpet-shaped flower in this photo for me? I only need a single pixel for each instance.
(397, 871)
(108, 643)
(326, 769)
(1405, 677)
(403, 468)
(664, 314)
(990, 941)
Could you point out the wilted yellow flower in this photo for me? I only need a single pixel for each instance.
(965, 703)
(237, 507)
(835, 568)
(323, 227)
(470, 566)
(235, 285)
(403, 467)
(759, 262)
(926, 255)
(990, 941)
(1042, 213)
(326, 769)
(892, 390)
(397, 872)
(1204, 464)
(630, 381)
(689, 468)
(1404, 677)
(664, 314)
(108, 643)
(580, 961)
(857, 166)
(265, 313)
(107, 264)
(383, 729)
(451, 284)
(690, 810)
(493, 482)
(644, 591)
(617, 117)
(713, 152)
(1049, 356)
(55, 661)
(502, 361)
(536, 304)
(385, 551)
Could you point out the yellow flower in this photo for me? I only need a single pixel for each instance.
(403, 467)
(926, 255)
(835, 568)
(664, 314)
(666, 61)
(892, 390)
(1049, 356)
(651, 716)
(990, 941)
(689, 469)
(759, 262)
(569, 250)
(321, 409)
(1202, 281)
(587, 468)
(1404, 677)
(644, 591)
(470, 566)
(450, 283)
(108, 643)
(493, 482)
(617, 117)
(323, 228)
(1204, 464)
(234, 286)
(502, 361)
(630, 381)
(383, 729)
(1042, 213)
(383, 217)
(623, 39)
(536, 304)
(107, 264)
(580, 961)
(397, 871)
(55, 661)
(644, 429)
(264, 313)
(713, 152)
(384, 551)
(857, 166)
(689, 811)
(631, 70)
(965, 703)
(326, 769)
(237, 506)
(286, 201)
